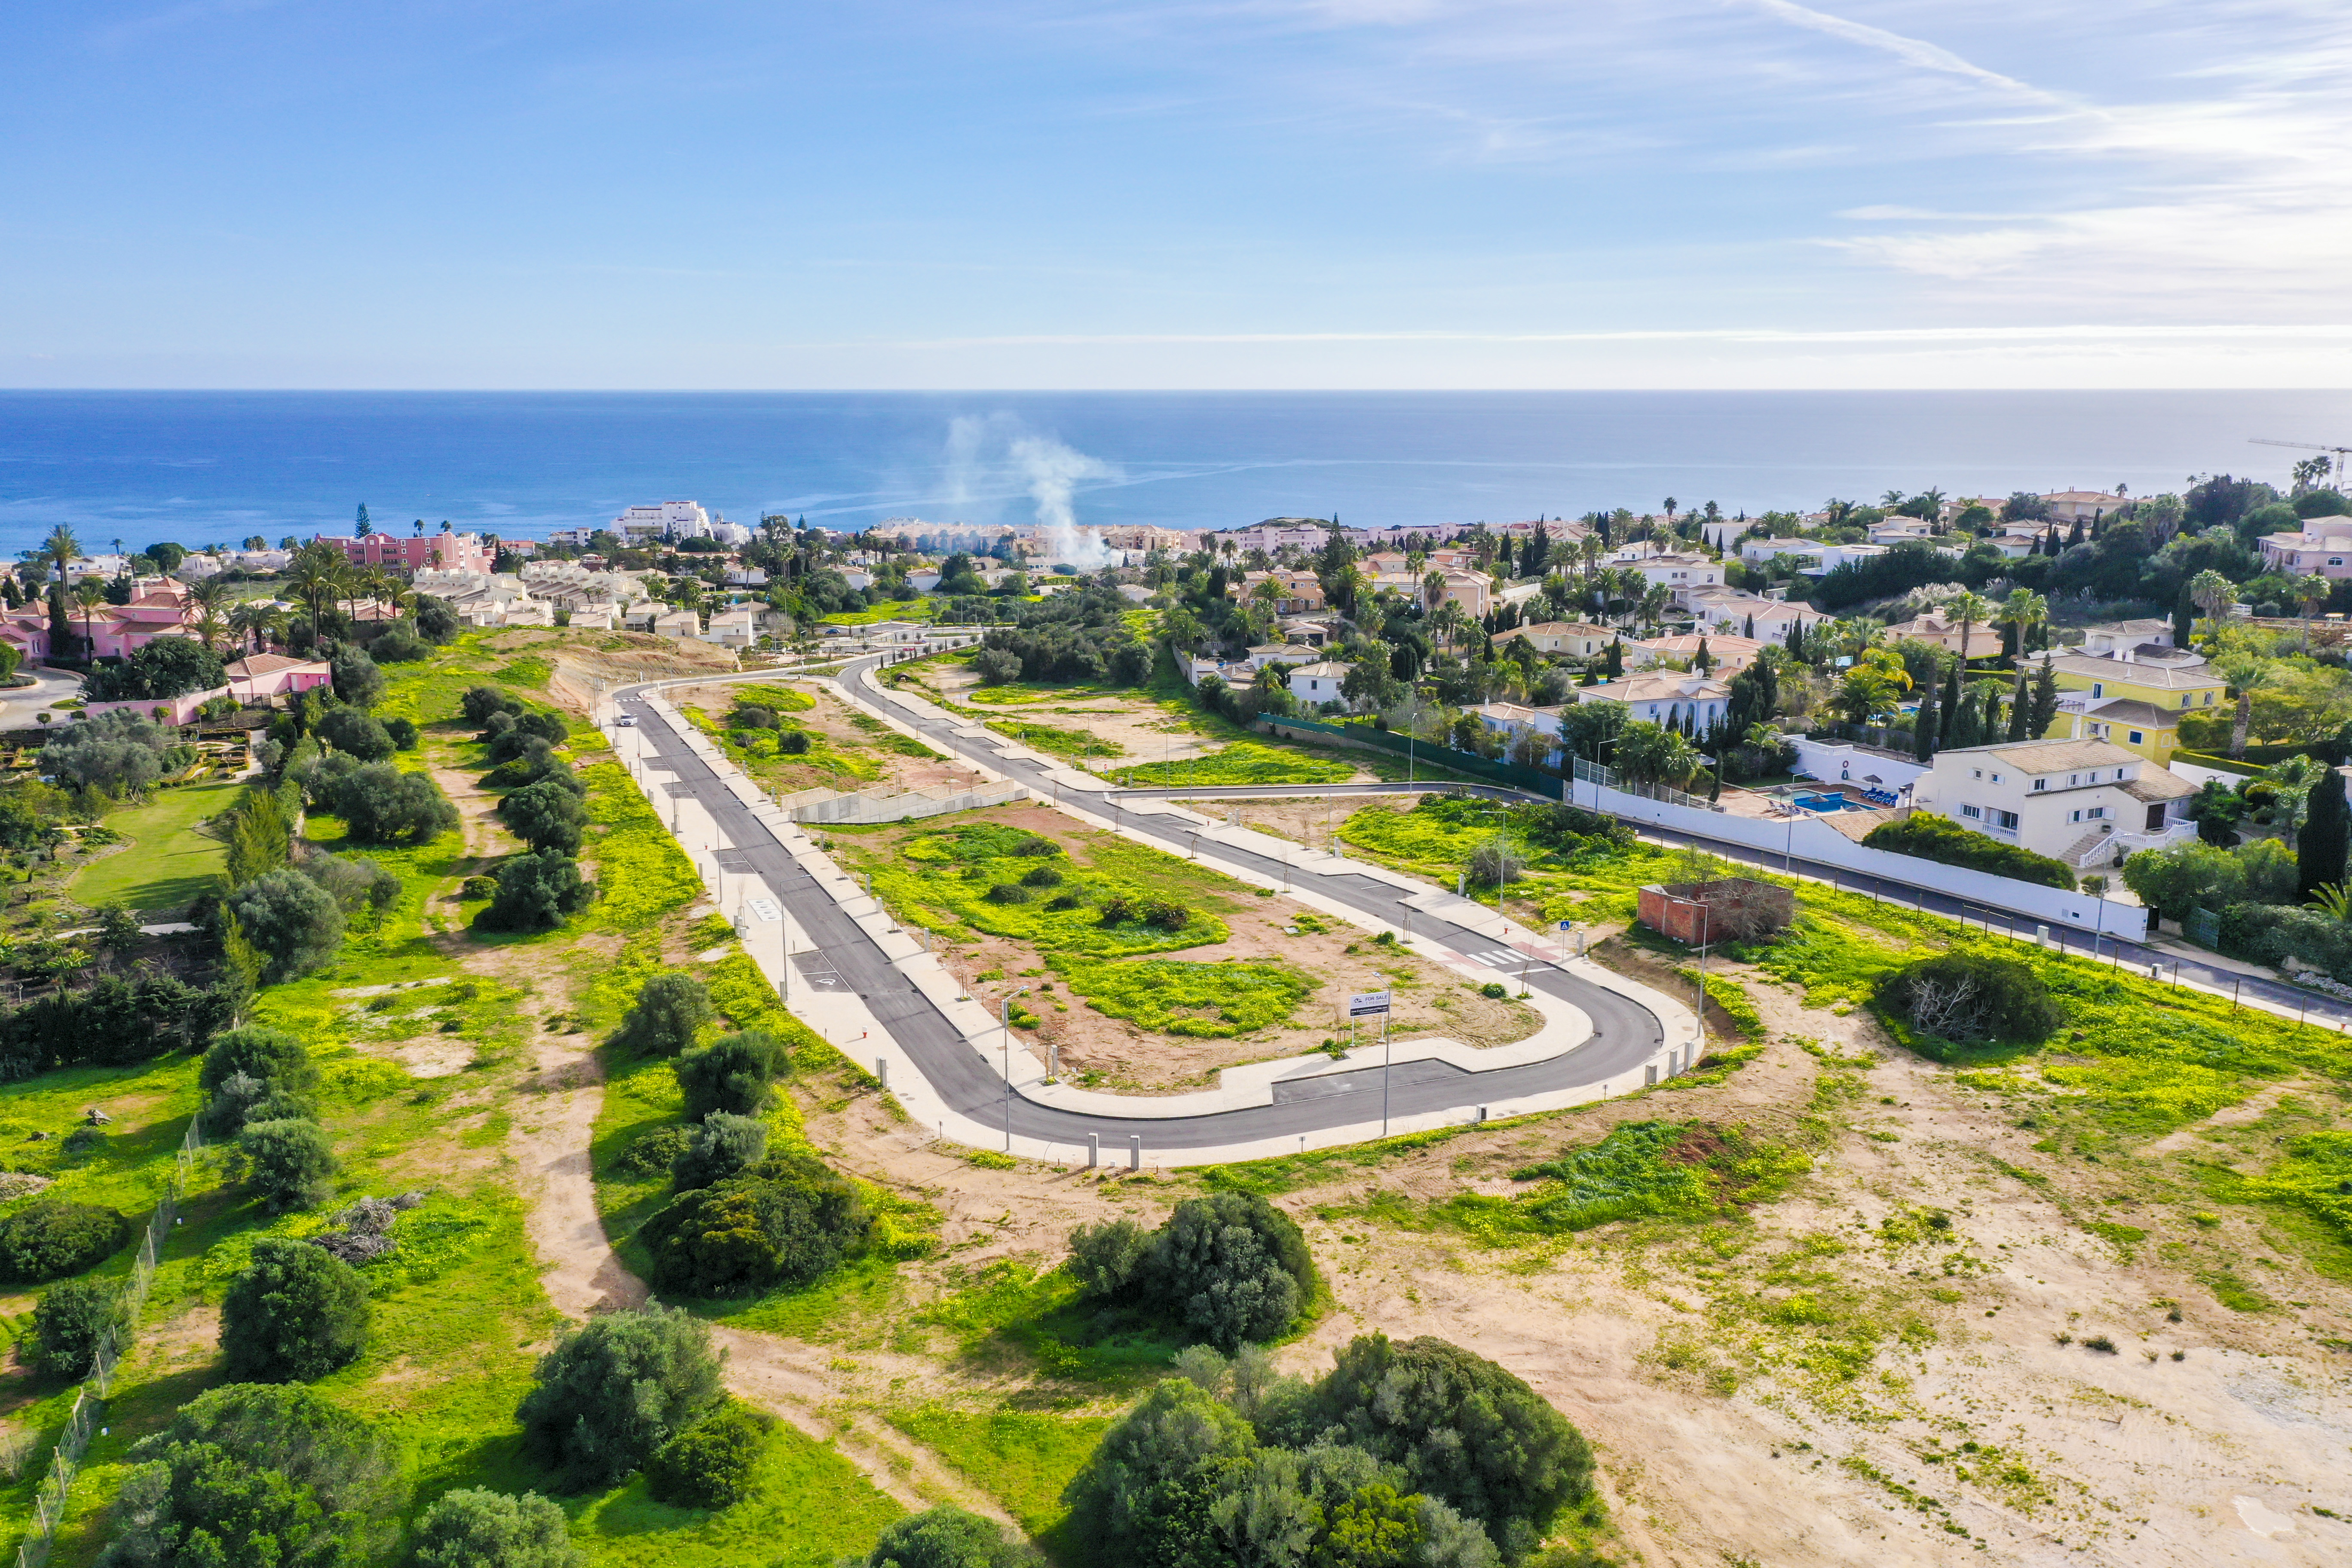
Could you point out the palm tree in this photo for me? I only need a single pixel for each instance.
(208, 596)
(1970, 611)
(90, 593)
(61, 548)
(312, 574)
(1589, 547)
(2312, 592)
(2245, 673)
(2213, 593)
(1433, 590)
(256, 621)
(2023, 609)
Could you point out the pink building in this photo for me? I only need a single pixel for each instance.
(267, 675)
(115, 631)
(450, 551)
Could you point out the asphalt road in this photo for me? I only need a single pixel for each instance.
(1626, 1035)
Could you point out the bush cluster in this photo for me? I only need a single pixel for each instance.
(296, 1312)
(477, 1528)
(710, 1464)
(258, 1083)
(70, 1321)
(1420, 1453)
(545, 805)
(259, 1473)
(662, 1021)
(946, 1537)
(1933, 837)
(114, 1020)
(1970, 998)
(49, 1238)
(782, 1222)
(1231, 1267)
(611, 1393)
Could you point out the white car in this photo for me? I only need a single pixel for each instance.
(625, 721)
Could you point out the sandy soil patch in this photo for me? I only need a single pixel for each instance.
(1310, 820)
(838, 723)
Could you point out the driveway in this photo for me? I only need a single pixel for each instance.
(19, 704)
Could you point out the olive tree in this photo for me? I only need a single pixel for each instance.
(610, 1393)
(296, 1312)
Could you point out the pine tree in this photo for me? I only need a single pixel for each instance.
(363, 528)
(2021, 710)
(1923, 733)
(2046, 700)
(2326, 834)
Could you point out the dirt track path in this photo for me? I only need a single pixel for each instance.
(583, 1276)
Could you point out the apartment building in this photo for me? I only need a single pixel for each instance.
(448, 551)
(2173, 686)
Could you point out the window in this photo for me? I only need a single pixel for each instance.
(2075, 817)
(2097, 812)
(2098, 689)
(1996, 778)
(1971, 810)
(2136, 739)
(2004, 819)
(1976, 772)
(2184, 698)
(2209, 700)
(2039, 785)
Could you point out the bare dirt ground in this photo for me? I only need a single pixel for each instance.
(1310, 820)
(1114, 1053)
(1974, 1436)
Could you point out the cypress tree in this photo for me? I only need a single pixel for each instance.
(1949, 717)
(1923, 733)
(2326, 834)
(2184, 618)
(1990, 726)
(2046, 701)
(2021, 710)
(1750, 633)
(1616, 665)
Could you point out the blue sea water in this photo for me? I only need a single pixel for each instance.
(199, 467)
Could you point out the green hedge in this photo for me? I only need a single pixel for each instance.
(1932, 837)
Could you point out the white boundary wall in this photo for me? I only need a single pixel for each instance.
(1810, 838)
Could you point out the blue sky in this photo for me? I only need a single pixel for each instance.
(1253, 194)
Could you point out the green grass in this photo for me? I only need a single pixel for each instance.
(1050, 738)
(1201, 1001)
(1684, 1170)
(940, 878)
(642, 872)
(168, 862)
(1242, 763)
(809, 1508)
(922, 609)
(1023, 1459)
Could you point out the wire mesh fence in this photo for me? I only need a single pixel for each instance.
(64, 1460)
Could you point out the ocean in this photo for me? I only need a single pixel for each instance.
(200, 468)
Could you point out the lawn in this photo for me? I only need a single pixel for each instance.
(168, 862)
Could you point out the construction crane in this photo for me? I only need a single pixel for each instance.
(2341, 452)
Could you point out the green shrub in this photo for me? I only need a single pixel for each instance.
(1493, 991)
(478, 702)
(1968, 997)
(291, 922)
(287, 1162)
(70, 1321)
(670, 1008)
(537, 892)
(730, 1074)
(1148, 1493)
(2269, 933)
(1230, 1267)
(785, 1222)
(477, 1528)
(474, 887)
(653, 1150)
(49, 1238)
(383, 805)
(946, 1536)
(1145, 909)
(1104, 1258)
(296, 1312)
(722, 1146)
(546, 816)
(254, 1473)
(1461, 1428)
(612, 1393)
(1007, 893)
(1932, 837)
(710, 1464)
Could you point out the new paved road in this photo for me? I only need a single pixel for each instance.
(1626, 1035)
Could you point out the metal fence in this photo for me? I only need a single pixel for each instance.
(1607, 778)
(1535, 780)
(64, 1460)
